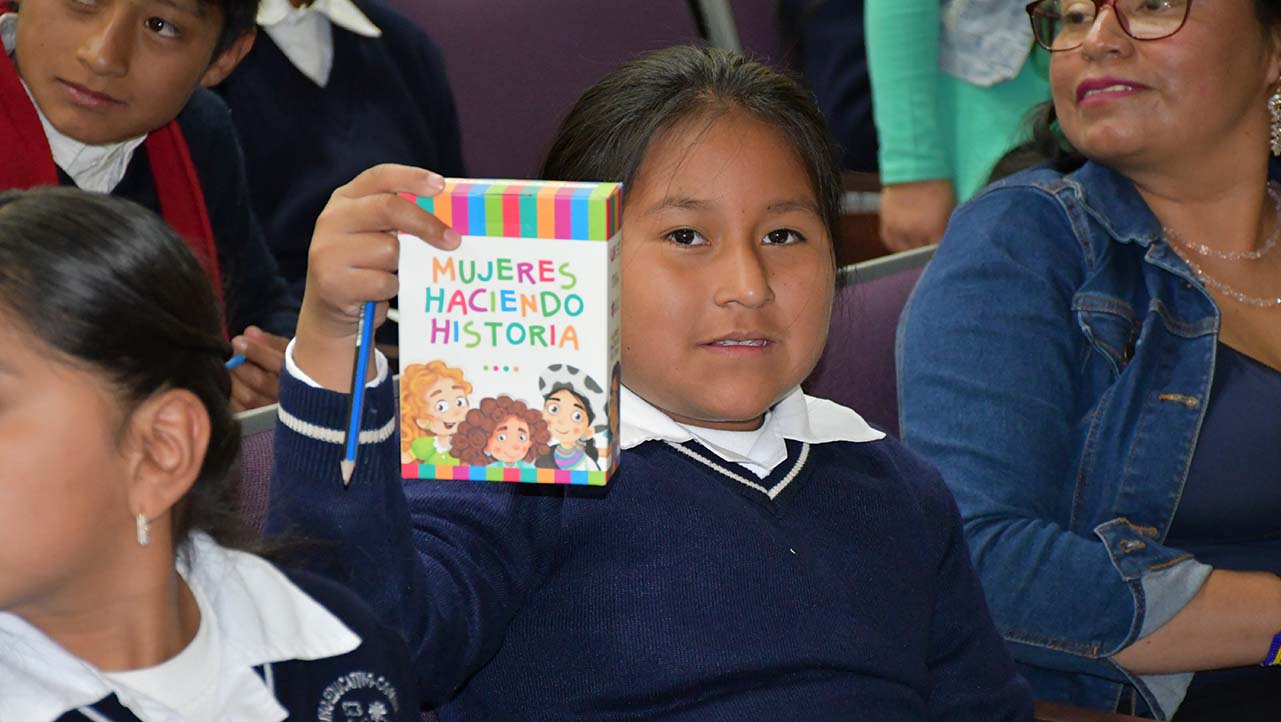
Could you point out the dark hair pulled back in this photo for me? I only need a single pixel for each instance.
(606, 134)
(108, 286)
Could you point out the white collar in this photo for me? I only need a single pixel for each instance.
(255, 613)
(305, 34)
(797, 417)
(96, 168)
(9, 31)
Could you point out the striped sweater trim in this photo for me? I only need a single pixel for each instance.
(335, 436)
(771, 493)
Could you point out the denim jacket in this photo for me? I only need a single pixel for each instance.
(1054, 364)
(984, 42)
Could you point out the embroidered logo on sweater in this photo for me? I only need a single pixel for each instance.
(358, 697)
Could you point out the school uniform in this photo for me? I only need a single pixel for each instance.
(813, 569)
(189, 171)
(271, 645)
(328, 91)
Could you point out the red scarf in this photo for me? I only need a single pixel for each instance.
(26, 161)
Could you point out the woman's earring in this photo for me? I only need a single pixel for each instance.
(143, 528)
(1274, 108)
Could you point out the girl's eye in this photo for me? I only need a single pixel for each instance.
(553, 409)
(441, 407)
(502, 437)
(782, 237)
(577, 417)
(161, 27)
(686, 237)
(523, 438)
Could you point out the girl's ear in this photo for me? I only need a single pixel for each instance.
(168, 435)
(228, 59)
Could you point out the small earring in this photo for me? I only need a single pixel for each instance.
(1274, 109)
(143, 529)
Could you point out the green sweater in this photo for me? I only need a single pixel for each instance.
(930, 124)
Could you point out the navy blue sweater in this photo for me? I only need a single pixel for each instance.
(253, 290)
(387, 101)
(375, 673)
(673, 593)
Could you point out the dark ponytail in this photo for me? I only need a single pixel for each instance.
(108, 285)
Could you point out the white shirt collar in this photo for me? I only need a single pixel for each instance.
(797, 417)
(305, 34)
(96, 168)
(255, 616)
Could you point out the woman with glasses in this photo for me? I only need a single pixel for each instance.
(952, 81)
(1093, 360)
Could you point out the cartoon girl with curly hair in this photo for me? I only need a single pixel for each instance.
(433, 403)
(501, 432)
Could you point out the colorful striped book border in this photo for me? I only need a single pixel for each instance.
(497, 473)
(528, 208)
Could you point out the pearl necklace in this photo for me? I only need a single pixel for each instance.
(1203, 250)
(1208, 280)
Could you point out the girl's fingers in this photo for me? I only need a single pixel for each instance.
(262, 350)
(393, 179)
(384, 213)
(350, 289)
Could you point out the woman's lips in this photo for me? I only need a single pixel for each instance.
(1102, 89)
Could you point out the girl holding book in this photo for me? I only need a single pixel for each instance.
(759, 554)
(123, 596)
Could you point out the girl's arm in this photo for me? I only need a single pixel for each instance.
(903, 62)
(447, 563)
(903, 65)
(989, 368)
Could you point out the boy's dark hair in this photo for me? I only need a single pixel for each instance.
(238, 18)
(106, 284)
(606, 134)
(1048, 146)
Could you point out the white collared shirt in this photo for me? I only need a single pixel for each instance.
(305, 35)
(250, 615)
(96, 168)
(797, 417)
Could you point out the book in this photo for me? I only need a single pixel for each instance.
(509, 345)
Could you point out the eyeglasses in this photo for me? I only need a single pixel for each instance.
(1064, 24)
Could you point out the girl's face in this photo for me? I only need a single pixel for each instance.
(727, 272)
(64, 510)
(446, 406)
(510, 441)
(566, 418)
(1135, 103)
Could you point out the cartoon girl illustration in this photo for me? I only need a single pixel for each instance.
(571, 400)
(433, 403)
(501, 432)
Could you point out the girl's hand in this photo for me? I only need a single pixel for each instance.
(915, 214)
(353, 259)
(256, 382)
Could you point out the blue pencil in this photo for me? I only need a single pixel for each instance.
(360, 368)
(235, 361)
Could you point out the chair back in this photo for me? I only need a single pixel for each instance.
(516, 66)
(763, 35)
(257, 447)
(857, 366)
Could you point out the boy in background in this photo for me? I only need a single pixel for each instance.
(107, 95)
(333, 87)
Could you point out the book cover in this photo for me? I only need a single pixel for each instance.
(509, 345)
